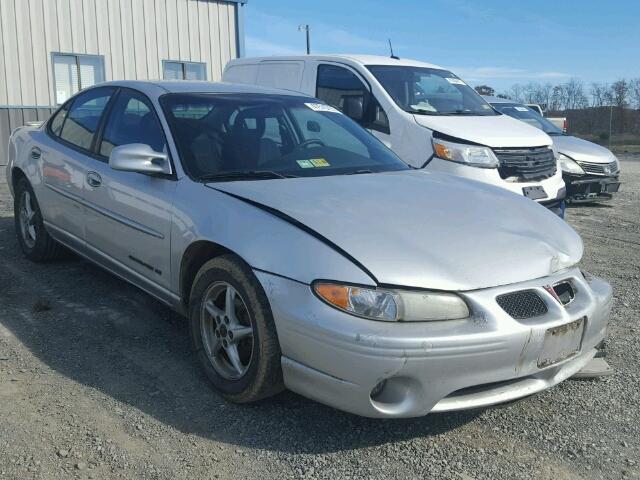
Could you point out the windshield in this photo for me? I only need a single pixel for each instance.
(529, 116)
(257, 136)
(430, 91)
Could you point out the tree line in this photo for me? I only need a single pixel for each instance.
(573, 94)
(589, 108)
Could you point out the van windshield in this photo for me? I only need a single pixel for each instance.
(430, 91)
(225, 137)
(528, 115)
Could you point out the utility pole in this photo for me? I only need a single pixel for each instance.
(307, 30)
(610, 122)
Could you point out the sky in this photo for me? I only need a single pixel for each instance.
(493, 42)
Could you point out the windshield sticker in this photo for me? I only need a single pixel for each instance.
(486, 107)
(522, 109)
(319, 162)
(454, 81)
(321, 107)
(304, 163)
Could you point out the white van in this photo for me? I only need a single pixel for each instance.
(426, 114)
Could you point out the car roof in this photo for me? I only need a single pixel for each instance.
(361, 59)
(491, 99)
(160, 87)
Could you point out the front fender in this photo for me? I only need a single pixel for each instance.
(263, 240)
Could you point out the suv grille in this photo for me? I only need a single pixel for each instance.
(526, 163)
(599, 168)
(522, 304)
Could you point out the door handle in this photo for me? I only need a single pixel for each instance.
(36, 153)
(94, 179)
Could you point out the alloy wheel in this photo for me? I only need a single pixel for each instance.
(28, 220)
(227, 331)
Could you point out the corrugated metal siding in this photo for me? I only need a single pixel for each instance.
(134, 36)
(12, 118)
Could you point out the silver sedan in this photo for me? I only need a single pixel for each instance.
(304, 253)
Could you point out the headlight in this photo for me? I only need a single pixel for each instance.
(392, 305)
(473, 155)
(568, 165)
(612, 168)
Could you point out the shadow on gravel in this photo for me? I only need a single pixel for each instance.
(110, 336)
(586, 206)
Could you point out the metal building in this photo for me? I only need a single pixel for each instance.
(50, 49)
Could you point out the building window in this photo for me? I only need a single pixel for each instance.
(173, 70)
(72, 73)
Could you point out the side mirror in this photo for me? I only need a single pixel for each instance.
(353, 107)
(140, 158)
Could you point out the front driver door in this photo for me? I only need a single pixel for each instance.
(129, 216)
(335, 84)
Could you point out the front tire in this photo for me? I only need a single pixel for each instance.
(233, 331)
(35, 242)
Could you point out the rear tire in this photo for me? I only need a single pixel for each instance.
(35, 242)
(233, 331)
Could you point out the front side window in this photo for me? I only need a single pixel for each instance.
(221, 137)
(342, 89)
(73, 73)
(81, 123)
(529, 116)
(132, 120)
(174, 70)
(430, 91)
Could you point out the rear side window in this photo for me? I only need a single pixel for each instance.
(58, 120)
(132, 120)
(84, 117)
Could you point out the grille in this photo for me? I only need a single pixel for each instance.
(522, 304)
(526, 163)
(599, 168)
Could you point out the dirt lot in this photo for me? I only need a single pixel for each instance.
(97, 380)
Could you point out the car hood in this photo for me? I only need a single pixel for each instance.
(499, 131)
(422, 229)
(582, 150)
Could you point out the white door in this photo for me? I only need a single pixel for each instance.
(343, 88)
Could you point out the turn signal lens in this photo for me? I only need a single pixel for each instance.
(363, 302)
(337, 295)
(442, 151)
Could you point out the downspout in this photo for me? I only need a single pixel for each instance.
(240, 29)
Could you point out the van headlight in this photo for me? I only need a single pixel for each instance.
(569, 165)
(473, 155)
(392, 305)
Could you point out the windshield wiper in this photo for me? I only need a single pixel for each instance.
(246, 175)
(421, 111)
(360, 172)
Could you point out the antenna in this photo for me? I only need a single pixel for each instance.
(391, 49)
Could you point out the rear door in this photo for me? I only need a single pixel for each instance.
(66, 155)
(129, 219)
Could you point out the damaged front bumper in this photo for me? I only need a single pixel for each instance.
(408, 369)
(588, 188)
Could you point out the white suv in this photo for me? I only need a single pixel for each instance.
(426, 114)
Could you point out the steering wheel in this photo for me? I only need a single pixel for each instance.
(311, 141)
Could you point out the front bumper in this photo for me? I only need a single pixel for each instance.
(337, 359)
(588, 188)
(554, 187)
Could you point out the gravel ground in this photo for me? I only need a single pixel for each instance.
(97, 380)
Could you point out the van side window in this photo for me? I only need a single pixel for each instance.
(343, 90)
